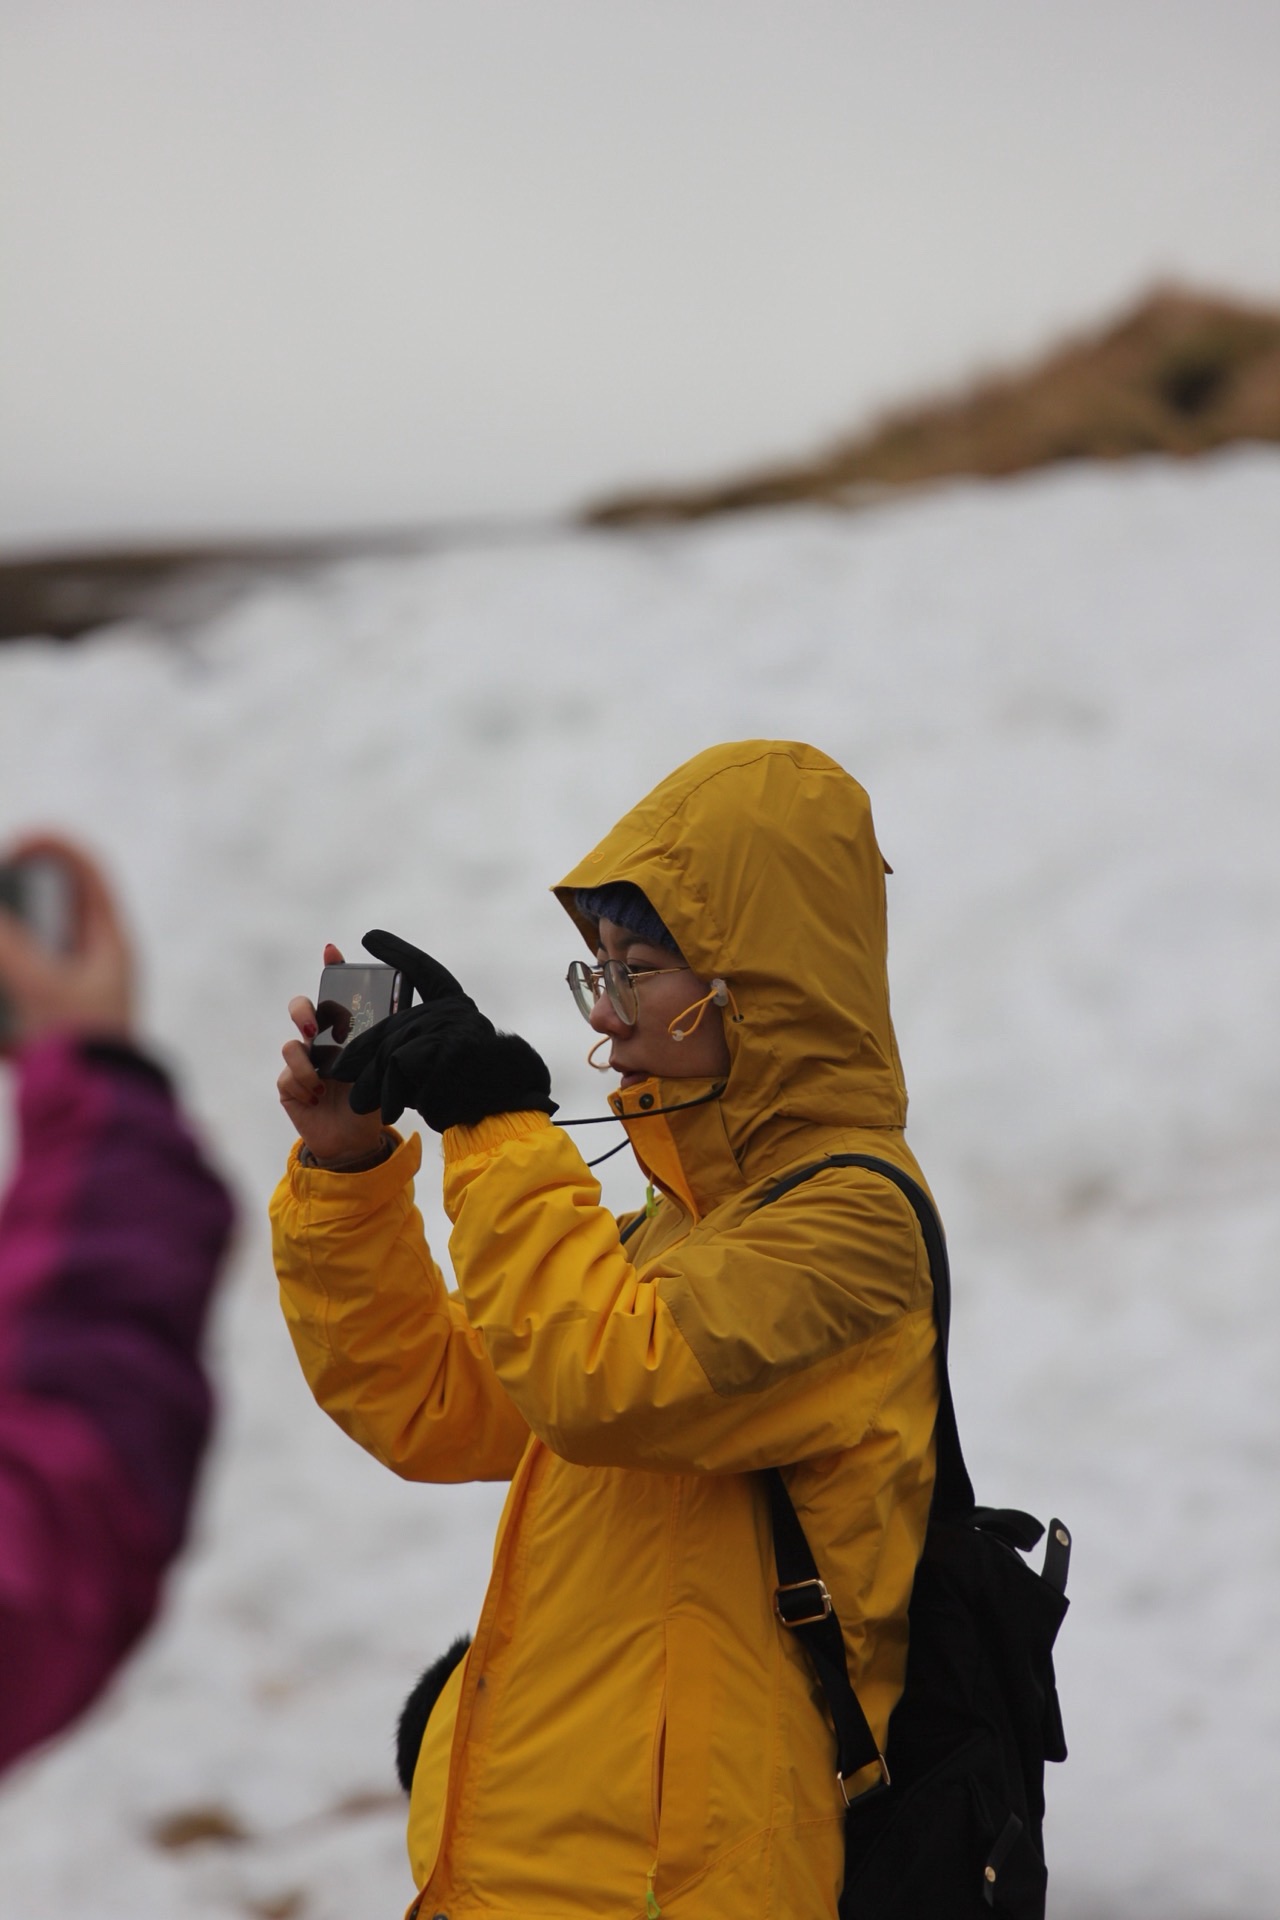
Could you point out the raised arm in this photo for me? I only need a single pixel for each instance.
(110, 1238)
(773, 1338)
(386, 1351)
(389, 1356)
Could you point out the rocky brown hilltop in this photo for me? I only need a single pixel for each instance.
(1180, 374)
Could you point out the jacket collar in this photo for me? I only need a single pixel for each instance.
(677, 1133)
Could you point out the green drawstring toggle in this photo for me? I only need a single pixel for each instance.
(651, 1906)
(650, 1208)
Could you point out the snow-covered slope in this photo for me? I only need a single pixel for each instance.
(1063, 697)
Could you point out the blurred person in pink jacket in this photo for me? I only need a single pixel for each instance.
(111, 1232)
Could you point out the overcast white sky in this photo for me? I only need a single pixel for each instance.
(288, 264)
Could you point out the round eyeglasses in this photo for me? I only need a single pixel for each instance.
(618, 980)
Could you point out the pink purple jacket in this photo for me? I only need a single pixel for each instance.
(110, 1237)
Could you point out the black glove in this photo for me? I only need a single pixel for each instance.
(443, 1058)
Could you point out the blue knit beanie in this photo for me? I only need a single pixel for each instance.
(627, 907)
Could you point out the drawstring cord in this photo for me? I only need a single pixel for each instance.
(719, 995)
(651, 1907)
(652, 1113)
(649, 1113)
(602, 1157)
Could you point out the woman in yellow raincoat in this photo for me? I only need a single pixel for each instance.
(633, 1733)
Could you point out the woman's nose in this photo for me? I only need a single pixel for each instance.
(605, 1017)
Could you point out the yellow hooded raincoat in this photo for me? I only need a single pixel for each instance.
(633, 1733)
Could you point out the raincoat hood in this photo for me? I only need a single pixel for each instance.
(761, 859)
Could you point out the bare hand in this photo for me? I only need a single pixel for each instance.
(320, 1109)
(88, 990)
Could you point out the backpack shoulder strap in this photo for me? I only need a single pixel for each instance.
(953, 1489)
(802, 1602)
(803, 1605)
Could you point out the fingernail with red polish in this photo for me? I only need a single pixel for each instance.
(310, 1031)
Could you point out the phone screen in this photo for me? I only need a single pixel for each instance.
(351, 999)
(42, 894)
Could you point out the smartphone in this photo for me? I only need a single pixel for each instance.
(41, 892)
(351, 999)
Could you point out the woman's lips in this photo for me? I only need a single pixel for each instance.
(631, 1078)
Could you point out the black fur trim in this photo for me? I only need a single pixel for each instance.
(416, 1711)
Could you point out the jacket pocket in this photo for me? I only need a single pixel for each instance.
(659, 1764)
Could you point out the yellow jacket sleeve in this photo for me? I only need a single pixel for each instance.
(387, 1352)
(772, 1339)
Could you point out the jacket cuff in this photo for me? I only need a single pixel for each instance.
(340, 1193)
(122, 1056)
(466, 1143)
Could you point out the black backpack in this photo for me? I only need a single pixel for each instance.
(953, 1829)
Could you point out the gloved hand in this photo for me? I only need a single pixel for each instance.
(443, 1058)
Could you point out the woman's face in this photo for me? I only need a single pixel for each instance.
(648, 1047)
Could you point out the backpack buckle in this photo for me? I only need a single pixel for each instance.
(802, 1602)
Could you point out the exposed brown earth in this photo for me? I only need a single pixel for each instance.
(1181, 374)
(62, 595)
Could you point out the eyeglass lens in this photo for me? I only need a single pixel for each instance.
(613, 978)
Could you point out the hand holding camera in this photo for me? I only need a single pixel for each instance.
(65, 964)
(318, 1106)
(443, 1058)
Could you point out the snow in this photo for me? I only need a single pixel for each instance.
(1062, 696)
